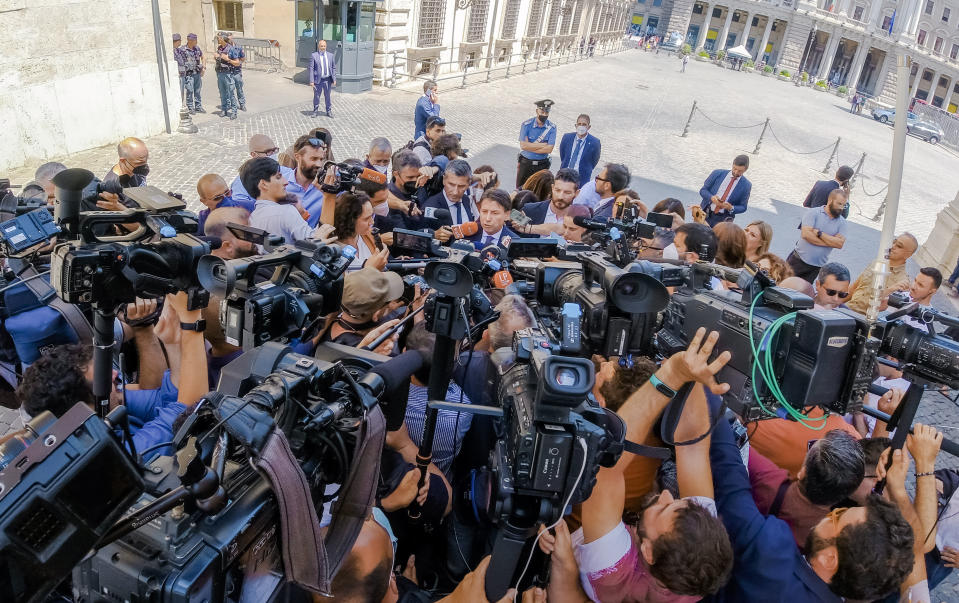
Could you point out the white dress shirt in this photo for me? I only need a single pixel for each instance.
(280, 219)
(495, 237)
(550, 217)
(465, 202)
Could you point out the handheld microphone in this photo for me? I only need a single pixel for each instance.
(502, 279)
(590, 224)
(465, 230)
(373, 176)
(437, 213)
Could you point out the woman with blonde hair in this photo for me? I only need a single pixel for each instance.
(759, 235)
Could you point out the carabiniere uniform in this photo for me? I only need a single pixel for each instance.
(531, 131)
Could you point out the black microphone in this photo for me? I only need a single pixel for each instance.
(437, 213)
(590, 224)
(395, 374)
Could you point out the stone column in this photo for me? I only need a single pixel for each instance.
(903, 17)
(915, 84)
(874, 11)
(942, 246)
(828, 55)
(746, 27)
(932, 86)
(701, 38)
(721, 40)
(857, 63)
(679, 16)
(762, 46)
(917, 7)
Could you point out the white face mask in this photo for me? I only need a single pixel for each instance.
(581, 130)
(381, 209)
(275, 156)
(381, 168)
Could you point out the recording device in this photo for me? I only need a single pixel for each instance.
(330, 419)
(417, 243)
(410, 281)
(27, 233)
(31, 197)
(63, 483)
(348, 176)
(551, 443)
(465, 230)
(275, 295)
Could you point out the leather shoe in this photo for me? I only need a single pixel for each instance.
(330, 113)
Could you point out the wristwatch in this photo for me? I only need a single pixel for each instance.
(662, 387)
(198, 326)
(819, 233)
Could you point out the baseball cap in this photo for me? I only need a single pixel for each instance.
(367, 290)
(176, 37)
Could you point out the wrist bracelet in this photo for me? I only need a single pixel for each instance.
(925, 473)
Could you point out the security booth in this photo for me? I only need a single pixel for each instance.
(347, 27)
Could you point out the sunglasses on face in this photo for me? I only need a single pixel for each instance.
(834, 293)
(221, 196)
(439, 121)
(268, 151)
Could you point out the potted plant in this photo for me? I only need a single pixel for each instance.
(768, 70)
(749, 66)
(720, 57)
(784, 75)
(822, 86)
(702, 56)
(842, 91)
(686, 49)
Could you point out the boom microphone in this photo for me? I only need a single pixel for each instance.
(437, 213)
(372, 176)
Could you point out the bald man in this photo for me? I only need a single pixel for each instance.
(214, 194)
(798, 284)
(261, 145)
(366, 575)
(131, 168)
(860, 293)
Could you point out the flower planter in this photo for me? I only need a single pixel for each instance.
(840, 94)
(784, 78)
(767, 73)
(702, 59)
(821, 89)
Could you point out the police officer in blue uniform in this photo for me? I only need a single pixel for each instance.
(537, 136)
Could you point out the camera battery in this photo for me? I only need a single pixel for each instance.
(553, 449)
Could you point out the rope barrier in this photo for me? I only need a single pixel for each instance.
(868, 194)
(776, 138)
(708, 118)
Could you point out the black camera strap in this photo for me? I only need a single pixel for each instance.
(47, 295)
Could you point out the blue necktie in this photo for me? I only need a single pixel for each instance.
(577, 152)
(459, 212)
(488, 241)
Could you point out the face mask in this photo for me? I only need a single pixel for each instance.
(381, 168)
(581, 130)
(382, 209)
(409, 188)
(275, 157)
(141, 170)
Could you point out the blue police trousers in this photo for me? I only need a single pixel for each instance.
(224, 82)
(238, 84)
(192, 83)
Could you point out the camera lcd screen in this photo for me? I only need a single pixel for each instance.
(532, 248)
(247, 233)
(411, 240)
(662, 220)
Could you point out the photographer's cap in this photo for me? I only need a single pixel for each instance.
(544, 104)
(367, 290)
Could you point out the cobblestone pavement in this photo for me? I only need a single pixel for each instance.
(638, 103)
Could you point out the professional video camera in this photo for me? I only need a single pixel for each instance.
(30, 198)
(619, 237)
(277, 294)
(618, 305)
(550, 444)
(208, 525)
(787, 356)
(349, 175)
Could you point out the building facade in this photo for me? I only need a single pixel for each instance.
(369, 37)
(848, 42)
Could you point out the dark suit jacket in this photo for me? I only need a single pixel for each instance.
(477, 239)
(819, 195)
(738, 198)
(439, 202)
(536, 212)
(315, 66)
(590, 155)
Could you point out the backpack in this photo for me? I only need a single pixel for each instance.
(413, 144)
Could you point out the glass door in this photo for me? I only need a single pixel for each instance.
(307, 30)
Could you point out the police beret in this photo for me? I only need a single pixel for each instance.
(176, 37)
(191, 36)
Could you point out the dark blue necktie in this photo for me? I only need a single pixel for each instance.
(459, 212)
(488, 241)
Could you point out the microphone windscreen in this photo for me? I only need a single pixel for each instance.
(582, 221)
(468, 229)
(437, 213)
(214, 242)
(502, 279)
(373, 176)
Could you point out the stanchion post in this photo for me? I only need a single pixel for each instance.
(509, 61)
(689, 121)
(832, 155)
(761, 134)
(855, 174)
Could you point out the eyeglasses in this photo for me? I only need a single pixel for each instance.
(603, 179)
(833, 293)
(267, 151)
(221, 196)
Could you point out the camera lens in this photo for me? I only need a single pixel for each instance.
(566, 377)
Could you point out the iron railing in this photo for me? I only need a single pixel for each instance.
(260, 54)
(496, 67)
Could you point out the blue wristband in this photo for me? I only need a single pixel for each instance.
(662, 387)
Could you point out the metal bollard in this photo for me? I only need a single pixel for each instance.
(832, 155)
(186, 125)
(881, 210)
(509, 61)
(761, 134)
(858, 170)
(465, 71)
(689, 121)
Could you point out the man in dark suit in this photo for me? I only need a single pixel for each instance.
(546, 217)
(726, 192)
(580, 150)
(454, 199)
(494, 210)
(322, 77)
(819, 193)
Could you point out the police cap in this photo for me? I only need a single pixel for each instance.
(544, 104)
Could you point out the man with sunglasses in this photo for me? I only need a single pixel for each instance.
(214, 193)
(310, 152)
(422, 146)
(832, 286)
(261, 145)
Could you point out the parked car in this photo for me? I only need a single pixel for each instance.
(888, 116)
(925, 130)
(673, 43)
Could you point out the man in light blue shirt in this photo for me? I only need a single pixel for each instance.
(537, 136)
(426, 106)
(271, 213)
(261, 145)
(310, 154)
(823, 229)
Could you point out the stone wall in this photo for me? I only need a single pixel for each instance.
(80, 74)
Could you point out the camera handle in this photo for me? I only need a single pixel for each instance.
(512, 539)
(103, 340)
(904, 415)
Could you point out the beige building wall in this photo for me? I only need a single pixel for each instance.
(80, 74)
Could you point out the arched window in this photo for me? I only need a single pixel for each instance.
(476, 31)
(432, 17)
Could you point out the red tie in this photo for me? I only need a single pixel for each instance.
(732, 181)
